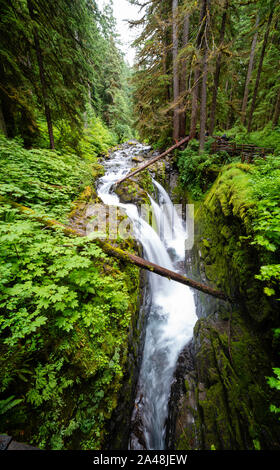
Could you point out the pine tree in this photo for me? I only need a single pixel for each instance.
(265, 41)
(223, 56)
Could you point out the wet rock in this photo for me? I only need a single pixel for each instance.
(120, 429)
(135, 190)
(137, 439)
(183, 380)
(224, 402)
(138, 159)
(7, 443)
(130, 192)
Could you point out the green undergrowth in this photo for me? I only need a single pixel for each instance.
(95, 139)
(249, 192)
(42, 179)
(268, 137)
(65, 308)
(238, 206)
(136, 189)
(198, 171)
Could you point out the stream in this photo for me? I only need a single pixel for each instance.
(170, 311)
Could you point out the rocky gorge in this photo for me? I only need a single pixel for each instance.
(219, 397)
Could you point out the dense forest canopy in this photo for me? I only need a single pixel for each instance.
(206, 66)
(59, 64)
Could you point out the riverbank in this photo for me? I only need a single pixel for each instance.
(67, 309)
(221, 398)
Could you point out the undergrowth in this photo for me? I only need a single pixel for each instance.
(95, 139)
(251, 191)
(65, 308)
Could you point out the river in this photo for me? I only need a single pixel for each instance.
(170, 313)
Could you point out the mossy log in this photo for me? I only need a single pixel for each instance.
(154, 268)
(153, 160)
(120, 254)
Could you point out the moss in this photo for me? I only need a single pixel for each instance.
(144, 180)
(231, 394)
(232, 353)
(159, 169)
(206, 243)
(78, 416)
(97, 171)
(130, 192)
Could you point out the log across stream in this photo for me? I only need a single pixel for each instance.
(169, 300)
(170, 312)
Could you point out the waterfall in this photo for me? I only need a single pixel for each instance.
(171, 315)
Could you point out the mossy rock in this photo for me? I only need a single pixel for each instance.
(135, 190)
(228, 260)
(97, 171)
(232, 396)
(232, 344)
(159, 170)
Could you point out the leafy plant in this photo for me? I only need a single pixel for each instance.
(9, 403)
(274, 382)
(199, 170)
(65, 307)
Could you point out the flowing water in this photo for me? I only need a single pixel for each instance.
(171, 315)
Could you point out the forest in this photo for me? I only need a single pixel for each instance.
(72, 334)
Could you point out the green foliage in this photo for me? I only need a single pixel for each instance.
(41, 179)
(152, 78)
(240, 186)
(65, 309)
(274, 382)
(198, 171)
(265, 181)
(8, 404)
(266, 184)
(268, 136)
(257, 445)
(74, 75)
(57, 79)
(229, 53)
(95, 139)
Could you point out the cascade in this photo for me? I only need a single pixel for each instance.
(171, 312)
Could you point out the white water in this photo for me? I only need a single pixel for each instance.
(171, 315)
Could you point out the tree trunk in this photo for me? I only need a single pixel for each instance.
(195, 105)
(253, 105)
(7, 108)
(218, 71)
(203, 106)
(277, 110)
(42, 75)
(230, 113)
(196, 83)
(120, 254)
(183, 80)
(249, 73)
(3, 128)
(176, 93)
(154, 268)
(153, 160)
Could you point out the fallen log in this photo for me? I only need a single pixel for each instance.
(120, 254)
(49, 223)
(153, 160)
(154, 268)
